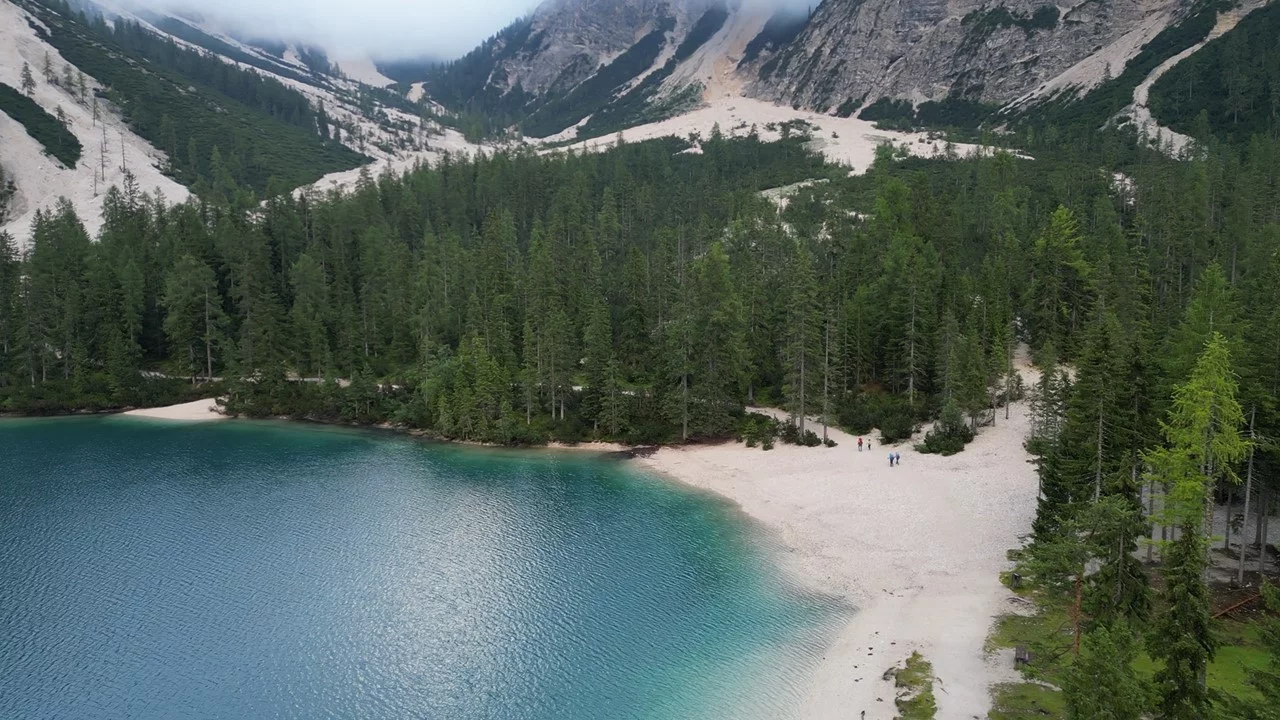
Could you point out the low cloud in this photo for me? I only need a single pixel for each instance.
(385, 29)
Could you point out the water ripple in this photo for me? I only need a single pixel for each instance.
(257, 570)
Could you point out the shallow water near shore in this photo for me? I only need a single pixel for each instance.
(244, 569)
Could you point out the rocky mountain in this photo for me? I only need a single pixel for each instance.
(574, 59)
(598, 65)
(853, 52)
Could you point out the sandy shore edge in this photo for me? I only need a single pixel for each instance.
(196, 410)
(916, 549)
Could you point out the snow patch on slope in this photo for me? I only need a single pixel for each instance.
(40, 180)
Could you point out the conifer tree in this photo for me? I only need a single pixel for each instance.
(1202, 442)
(804, 332)
(56, 264)
(634, 325)
(310, 303)
(194, 323)
(12, 318)
(1213, 309)
(28, 82)
(1101, 683)
(597, 348)
(1058, 295)
(719, 356)
(613, 411)
(973, 379)
(529, 372)
(948, 354)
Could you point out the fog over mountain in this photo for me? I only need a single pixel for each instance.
(385, 29)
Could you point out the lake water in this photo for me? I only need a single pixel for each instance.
(267, 570)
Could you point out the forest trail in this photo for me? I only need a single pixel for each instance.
(916, 550)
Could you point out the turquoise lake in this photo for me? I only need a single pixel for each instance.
(269, 570)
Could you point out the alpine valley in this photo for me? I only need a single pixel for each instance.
(925, 356)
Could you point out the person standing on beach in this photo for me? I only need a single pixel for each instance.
(890, 459)
(859, 444)
(897, 458)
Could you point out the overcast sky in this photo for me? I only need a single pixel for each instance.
(387, 29)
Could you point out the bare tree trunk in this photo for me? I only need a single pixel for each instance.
(1008, 377)
(826, 378)
(1076, 608)
(1097, 475)
(1226, 525)
(802, 383)
(1164, 531)
(911, 355)
(1248, 490)
(684, 415)
(1263, 507)
(208, 340)
(1151, 511)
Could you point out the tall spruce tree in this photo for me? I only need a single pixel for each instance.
(804, 336)
(1102, 682)
(194, 321)
(1060, 285)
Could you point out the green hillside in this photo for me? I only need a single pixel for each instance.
(189, 104)
(57, 140)
(1234, 82)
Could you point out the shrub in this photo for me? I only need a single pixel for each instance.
(756, 428)
(898, 425)
(949, 435)
(895, 417)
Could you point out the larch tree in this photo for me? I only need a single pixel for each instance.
(1202, 443)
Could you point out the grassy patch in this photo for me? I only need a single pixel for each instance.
(1017, 701)
(1047, 635)
(914, 681)
(1240, 652)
